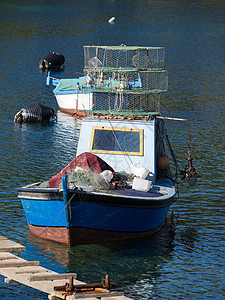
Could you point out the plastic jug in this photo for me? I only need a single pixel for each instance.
(139, 170)
(142, 185)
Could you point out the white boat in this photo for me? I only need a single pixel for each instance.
(69, 95)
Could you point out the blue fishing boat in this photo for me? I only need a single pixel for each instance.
(119, 186)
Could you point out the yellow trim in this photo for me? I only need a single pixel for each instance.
(140, 153)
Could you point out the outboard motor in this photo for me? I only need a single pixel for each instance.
(52, 60)
(34, 112)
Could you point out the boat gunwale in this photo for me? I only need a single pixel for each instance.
(132, 202)
(98, 197)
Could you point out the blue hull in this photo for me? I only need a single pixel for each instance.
(93, 217)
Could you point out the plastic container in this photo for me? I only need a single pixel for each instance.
(142, 185)
(139, 170)
(107, 174)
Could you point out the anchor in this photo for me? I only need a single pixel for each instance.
(189, 172)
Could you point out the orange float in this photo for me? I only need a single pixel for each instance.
(163, 162)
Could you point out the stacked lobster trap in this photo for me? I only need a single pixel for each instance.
(125, 79)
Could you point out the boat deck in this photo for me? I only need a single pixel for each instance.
(160, 191)
(134, 193)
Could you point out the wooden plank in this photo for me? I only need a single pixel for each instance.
(2, 238)
(73, 297)
(18, 270)
(9, 280)
(50, 276)
(9, 249)
(106, 295)
(6, 258)
(31, 274)
(54, 297)
(7, 245)
(95, 296)
(6, 255)
(19, 263)
(115, 297)
(26, 272)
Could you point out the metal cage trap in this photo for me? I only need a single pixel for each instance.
(124, 80)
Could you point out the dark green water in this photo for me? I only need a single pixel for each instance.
(185, 260)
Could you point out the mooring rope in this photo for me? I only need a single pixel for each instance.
(169, 145)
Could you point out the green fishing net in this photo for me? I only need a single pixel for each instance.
(82, 177)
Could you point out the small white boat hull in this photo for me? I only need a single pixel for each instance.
(68, 103)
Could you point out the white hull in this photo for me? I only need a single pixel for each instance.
(81, 101)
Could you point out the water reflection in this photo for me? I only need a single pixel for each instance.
(125, 262)
(188, 238)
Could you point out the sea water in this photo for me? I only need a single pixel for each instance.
(185, 260)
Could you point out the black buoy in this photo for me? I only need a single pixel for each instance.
(34, 112)
(52, 60)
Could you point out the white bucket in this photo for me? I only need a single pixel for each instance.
(142, 185)
(139, 170)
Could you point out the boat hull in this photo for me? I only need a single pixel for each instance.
(73, 112)
(71, 104)
(79, 236)
(94, 217)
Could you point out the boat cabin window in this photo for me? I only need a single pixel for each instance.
(117, 140)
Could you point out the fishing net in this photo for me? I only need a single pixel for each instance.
(161, 149)
(85, 169)
(87, 161)
(81, 177)
(88, 169)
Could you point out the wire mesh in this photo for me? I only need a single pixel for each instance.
(129, 104)
(129, 80)
(125, 79)
(124, 57)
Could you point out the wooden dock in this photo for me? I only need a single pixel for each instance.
(31, 274)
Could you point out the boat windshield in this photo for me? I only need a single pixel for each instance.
(117, 140)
